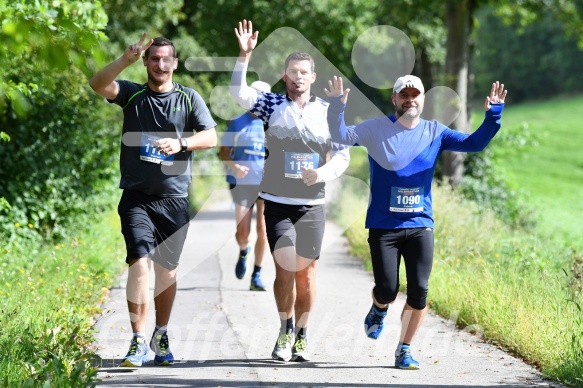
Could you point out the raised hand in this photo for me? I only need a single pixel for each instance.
(246, 37)
(336, 87)
(497, 95)
(134, 51)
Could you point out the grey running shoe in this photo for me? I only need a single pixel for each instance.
(138, 353)
(283, 347)
(300, 351)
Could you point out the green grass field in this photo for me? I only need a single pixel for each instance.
(551, 172)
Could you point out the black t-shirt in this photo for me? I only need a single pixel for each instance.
(149, 116)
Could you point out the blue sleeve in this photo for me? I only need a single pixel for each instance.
(477, 141)
(339, 132)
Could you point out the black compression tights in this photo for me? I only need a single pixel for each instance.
(387, 246)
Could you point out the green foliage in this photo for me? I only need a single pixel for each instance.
(58, 156)
(49, 295)
(522, 303)
(521, 14)
(129, 19)
(62, 146)
(547, 168)
(57, 34)
(537, 63)
(488, 183)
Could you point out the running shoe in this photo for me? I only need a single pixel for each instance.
(241, 267)
(138, 353)
(159, 344)
(373, 323)
(257, 283)
(404, 360)
(283, 347)
(300, 351)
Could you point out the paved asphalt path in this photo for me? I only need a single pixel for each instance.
(222, 334)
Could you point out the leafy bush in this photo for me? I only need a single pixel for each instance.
(60, 144)
(59, 156)
(487, 184)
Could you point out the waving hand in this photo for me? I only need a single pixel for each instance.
(336, 87)
(246, 37)
(497, 95)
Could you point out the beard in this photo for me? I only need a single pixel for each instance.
(409, 113)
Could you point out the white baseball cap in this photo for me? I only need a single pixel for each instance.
(408, 81)
(261, 86)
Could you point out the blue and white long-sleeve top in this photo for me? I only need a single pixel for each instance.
(402, 161)
(295, 140)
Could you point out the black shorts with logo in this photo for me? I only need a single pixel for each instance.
(300, 226)
(153, 226)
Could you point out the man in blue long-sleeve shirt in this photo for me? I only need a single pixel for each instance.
(403, 151)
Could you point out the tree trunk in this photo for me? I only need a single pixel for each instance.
(458, 19)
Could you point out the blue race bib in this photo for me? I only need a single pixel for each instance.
(296, 162)
(406, 199)
(149, 153)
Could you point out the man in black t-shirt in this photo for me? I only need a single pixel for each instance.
(163, 123)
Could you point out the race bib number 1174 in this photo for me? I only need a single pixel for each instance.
(149, 153)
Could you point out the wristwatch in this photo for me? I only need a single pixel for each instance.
(183, 144)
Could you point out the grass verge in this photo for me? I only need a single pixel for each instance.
(50, 294)
(517, 290)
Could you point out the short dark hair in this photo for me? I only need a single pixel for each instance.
(161, 41)
(299, 56)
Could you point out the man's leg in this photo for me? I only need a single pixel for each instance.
(411, 320)
(305, 290)
(418, 257)
(285, 296)
(305, 298)
(310, 233)
(137, 294)
(261, 243)
(385, 256)
(260, 248)
(164, 293)
(284, 284)
(172, 223)
(243, 216)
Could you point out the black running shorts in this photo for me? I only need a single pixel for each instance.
(301, 226)
(154, 227)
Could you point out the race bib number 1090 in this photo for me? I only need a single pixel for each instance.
(406, 199)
